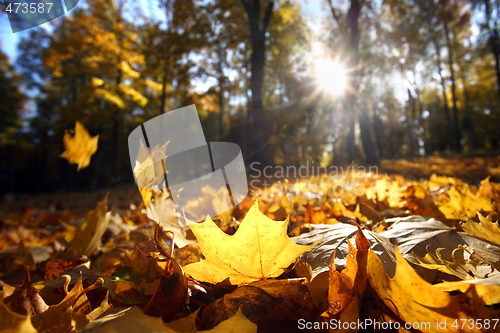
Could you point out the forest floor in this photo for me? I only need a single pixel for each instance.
(427, 229)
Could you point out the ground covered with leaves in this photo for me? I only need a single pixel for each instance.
(363, 252)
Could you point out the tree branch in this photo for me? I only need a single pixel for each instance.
(335, 14)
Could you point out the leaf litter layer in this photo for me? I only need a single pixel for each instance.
(401, 251)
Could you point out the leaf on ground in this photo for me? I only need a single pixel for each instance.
(237, 323)
(58, 318)
(259, 249)
(79, 147)
(484, 229)
(332, 239)
(487, 289)
(274, 305)
(12, 322)
(17, 259)
(171, 294)
(25, 299)
(461, 203)
(132, 320)
(433, 245)
(83, 240)
(412, 298)
(126, 320)
(351, 281)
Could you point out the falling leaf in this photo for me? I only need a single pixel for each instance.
(79, 147)
(85, 239)
(259, 249)
(485, 229)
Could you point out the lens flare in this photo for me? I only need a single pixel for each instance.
(331, 76)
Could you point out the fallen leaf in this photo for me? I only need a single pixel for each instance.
(171, 294)
(331, 240)
(485, 229)
(85, 239)
(412, 298)
(433, 245)
(12, 322)
(274, 305)
(487, 289)
(79, 147)
(58, 318)
(259, 249)
(25, 299)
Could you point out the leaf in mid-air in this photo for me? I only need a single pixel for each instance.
(259, 249)
(79, 147)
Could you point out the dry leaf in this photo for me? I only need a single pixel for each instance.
(79, 147)
(85, 239)
(485, 229)
(259, 249)
(412, 298)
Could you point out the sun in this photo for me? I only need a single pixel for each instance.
(331, 76)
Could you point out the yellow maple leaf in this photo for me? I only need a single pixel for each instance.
(259, 249)
(79, 147)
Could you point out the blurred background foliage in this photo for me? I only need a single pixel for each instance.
(422, 78)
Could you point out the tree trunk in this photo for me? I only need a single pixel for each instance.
(443, 87)
(409, 121)
(377, 125)
(259, 136)
(366, 140)
(163, 90)
(456, 132)
(493, 41)
(221, 90)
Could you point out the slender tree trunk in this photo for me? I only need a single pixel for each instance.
(221, 90)
(493, 40)
(456, 132)
(366, 140)
(163, 91)
(409, 121)
(443, 87)
(259, 136)
(377, 126)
